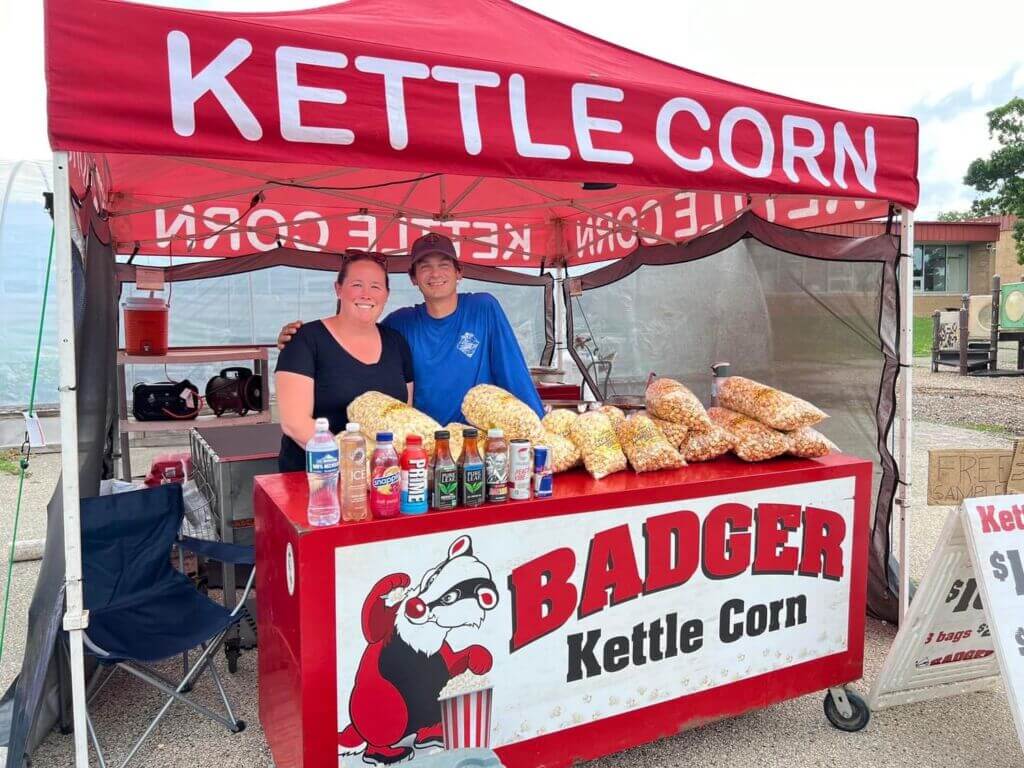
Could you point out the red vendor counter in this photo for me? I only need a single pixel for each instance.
(615, 613)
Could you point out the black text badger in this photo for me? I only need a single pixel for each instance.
(408, 661)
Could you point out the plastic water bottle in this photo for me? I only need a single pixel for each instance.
(322, 474)
(353, 475)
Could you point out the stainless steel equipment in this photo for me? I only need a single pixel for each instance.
(224, 462)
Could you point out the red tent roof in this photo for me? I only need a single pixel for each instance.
(478, 118)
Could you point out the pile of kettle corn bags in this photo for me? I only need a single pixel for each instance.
(753, 421)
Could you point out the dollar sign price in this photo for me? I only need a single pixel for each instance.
(999, 569)
(962, 592)
(1005, 563)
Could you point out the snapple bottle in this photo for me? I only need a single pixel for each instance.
(385, 479)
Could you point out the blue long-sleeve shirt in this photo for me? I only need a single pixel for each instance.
(473, 345)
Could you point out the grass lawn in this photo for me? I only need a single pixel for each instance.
(994, 429)
(9, 462)
(922, 337)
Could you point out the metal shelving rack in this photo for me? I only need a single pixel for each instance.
(187, 355)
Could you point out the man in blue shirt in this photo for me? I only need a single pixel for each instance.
(458, 340)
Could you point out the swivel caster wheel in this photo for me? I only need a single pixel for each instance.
(846, 710)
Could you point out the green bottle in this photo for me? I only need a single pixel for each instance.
(471, 470)
(445, 493)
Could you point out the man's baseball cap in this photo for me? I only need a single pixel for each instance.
(432, 244)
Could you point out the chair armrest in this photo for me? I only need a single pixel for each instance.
(236, 554)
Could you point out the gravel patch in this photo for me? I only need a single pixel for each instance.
(973, 401)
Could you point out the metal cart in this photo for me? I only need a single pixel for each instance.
(224, 462)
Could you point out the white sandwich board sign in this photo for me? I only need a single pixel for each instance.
(965, 626)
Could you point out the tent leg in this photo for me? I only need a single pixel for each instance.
(75, 618)
(905, 401)
(560, 324)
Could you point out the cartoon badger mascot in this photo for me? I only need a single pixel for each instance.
(408, 661)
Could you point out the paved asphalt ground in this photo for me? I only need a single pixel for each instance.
(964, 731)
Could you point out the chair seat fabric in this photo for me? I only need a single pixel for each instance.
(140, 607)
(165, 621)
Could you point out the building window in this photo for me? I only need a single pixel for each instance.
(940, 268)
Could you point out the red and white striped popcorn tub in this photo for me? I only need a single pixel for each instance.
(466, 719)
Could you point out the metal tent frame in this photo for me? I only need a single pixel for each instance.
(76, 618)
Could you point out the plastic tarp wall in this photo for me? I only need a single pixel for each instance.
(40, 696)
(819, 327)
(24, 240)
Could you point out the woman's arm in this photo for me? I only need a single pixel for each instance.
(295, 405)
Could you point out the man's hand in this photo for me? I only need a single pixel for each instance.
(287, 332)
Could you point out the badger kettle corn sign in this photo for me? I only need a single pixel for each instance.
(505, 632)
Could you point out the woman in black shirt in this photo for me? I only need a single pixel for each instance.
(332, 361)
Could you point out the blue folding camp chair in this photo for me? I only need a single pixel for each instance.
(142, 610)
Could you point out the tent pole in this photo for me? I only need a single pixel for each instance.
(906, 358)
(75, 618)
(560, 323)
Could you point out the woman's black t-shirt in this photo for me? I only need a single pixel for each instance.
(339, 378)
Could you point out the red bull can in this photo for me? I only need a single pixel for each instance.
(520, 470)
(543, 479)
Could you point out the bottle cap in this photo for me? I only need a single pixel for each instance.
(413, 440)
(323, 425)
(495, 433)
(352, 427)
(442, 434)
(469, 432)
(385, 437)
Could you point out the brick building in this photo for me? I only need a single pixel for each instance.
(952, 258)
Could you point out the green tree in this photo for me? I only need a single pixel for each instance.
(955, 216)
(1000, 176)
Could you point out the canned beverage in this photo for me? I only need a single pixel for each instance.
(543, 485)
(520, 469)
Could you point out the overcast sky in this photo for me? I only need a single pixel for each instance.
(944, 67)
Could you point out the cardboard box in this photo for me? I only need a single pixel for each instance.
(955, 474)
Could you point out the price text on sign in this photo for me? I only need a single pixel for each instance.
(945, 643)
(1002, 571)
(995, 531)
(962, 591)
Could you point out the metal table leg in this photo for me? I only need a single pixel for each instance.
(122, 412)
(226, 515)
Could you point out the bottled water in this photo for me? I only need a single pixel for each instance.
(322, 473)
(353, 475)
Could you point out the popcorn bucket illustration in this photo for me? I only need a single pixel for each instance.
(466, 719)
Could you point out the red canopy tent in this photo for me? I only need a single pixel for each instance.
(485, 126)
(231, 135)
